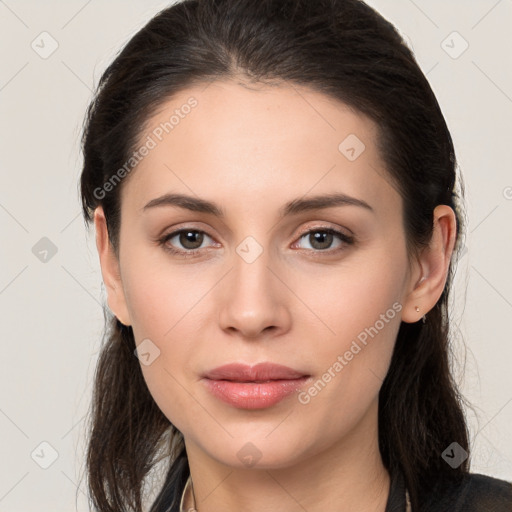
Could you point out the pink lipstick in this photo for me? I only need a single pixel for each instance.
(253, 387)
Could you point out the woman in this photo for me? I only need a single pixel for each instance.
(273, 188)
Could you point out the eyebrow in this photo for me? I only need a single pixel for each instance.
(293, 207)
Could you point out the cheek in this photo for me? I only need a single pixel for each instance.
(352, 362)
(160, 295)
(166, 306)
(343, 303)
(360, 312)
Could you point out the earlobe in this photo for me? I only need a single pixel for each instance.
(433, 266)
(110, 270)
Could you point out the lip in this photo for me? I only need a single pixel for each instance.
(240, 372)
(253, 387)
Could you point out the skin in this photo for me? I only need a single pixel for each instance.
(251, 149)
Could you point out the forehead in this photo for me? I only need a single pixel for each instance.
(251, 143)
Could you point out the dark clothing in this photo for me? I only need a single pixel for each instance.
(476, 493)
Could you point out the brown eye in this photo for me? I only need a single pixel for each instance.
(322, 239)
(186, 242)
(190, 239)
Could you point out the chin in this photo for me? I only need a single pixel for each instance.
(258, 452)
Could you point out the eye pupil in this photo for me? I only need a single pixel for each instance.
(185, 239)
(320, 236)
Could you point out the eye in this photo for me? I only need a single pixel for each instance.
(190, 239)
(321, 239)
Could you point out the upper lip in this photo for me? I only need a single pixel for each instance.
(260, 372)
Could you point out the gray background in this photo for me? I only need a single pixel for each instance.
(51, 308)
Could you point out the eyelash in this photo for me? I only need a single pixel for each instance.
(346, 239)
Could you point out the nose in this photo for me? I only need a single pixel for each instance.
(253, 300)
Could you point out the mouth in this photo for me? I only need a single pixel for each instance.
(261, 372)
(253, 387)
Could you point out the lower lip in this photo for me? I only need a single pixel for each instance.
(253, 395)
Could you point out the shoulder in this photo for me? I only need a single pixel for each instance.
(487, 493)
(475, 493)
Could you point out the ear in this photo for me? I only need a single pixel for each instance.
(431, 271)
(110, 269)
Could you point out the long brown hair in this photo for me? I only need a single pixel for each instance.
(341, 48)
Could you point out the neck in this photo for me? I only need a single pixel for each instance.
(344, 477)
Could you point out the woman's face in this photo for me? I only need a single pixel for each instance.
(267, 282)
